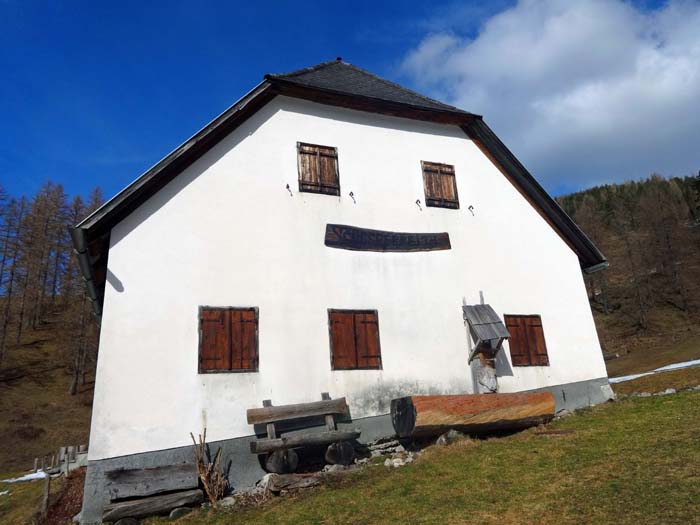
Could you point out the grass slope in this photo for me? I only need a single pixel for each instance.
(634, 461)
(38, 413)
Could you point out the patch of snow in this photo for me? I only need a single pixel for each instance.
(674, 366)
(40, 474)
(3, 492)
(678, 365)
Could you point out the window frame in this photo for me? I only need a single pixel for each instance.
(256, 368)
(434, 202)
(529, 352)
(333, 190)
(331, 311)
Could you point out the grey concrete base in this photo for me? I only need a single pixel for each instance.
(244, 469)
(571, 396)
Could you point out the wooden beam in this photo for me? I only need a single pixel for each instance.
(321, 438)
(418, 416)
(140, 508)
(283, 412)
(128, 483)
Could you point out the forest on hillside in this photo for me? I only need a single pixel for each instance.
(648, 229)
(40, 281)
(650, 232)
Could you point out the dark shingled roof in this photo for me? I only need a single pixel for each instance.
(342, 77)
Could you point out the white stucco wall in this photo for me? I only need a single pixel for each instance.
(226, 232)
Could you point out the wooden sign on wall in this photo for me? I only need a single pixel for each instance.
(362, 239)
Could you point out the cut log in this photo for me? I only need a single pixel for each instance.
(342, 453)
(320, 438)
(155, 505)
(419, 416)
(128, 483)
(282, 461)
(271, 414)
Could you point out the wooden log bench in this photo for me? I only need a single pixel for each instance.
(280, 455)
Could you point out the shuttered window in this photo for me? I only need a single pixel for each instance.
(440, 185)
(228, 339)
(527, 346)
(318, 169)
(354, 338)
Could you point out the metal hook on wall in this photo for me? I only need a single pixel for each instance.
(352, 196)
(418, 204)
(290, 191)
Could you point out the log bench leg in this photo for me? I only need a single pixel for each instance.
(341, 453)
(282, 461)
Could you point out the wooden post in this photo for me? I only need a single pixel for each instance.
(45, 497)
(330, 420)
(36, 464)
(271, 432)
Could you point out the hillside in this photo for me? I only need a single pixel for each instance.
(39, 414)
(647, 303)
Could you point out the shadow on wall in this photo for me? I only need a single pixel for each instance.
(502, 365)
(114, 281)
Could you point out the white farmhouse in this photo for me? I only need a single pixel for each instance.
(323, 235)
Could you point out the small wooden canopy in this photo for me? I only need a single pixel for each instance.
(484, 325)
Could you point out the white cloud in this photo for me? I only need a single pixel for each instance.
(583, 92)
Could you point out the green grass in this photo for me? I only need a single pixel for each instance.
(22, 502)
(634, 461)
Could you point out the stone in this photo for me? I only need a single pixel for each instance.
(644, 394)
(127, 521)
(670, 391)
(179, 512)
(449, 437)
(228, 501)
(335, 468)
(387, 463)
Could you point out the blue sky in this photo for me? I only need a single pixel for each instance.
(95, 93)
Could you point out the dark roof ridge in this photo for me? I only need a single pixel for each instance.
(289, 77)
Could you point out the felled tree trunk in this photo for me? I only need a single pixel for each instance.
(419, 416)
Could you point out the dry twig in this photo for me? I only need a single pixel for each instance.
(215, 484)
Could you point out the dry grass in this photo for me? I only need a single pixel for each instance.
(38, 414)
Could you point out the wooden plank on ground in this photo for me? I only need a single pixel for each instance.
(283, 412)
(155, 505)
(128, 483)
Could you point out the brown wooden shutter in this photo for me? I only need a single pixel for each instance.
(367, 340)
(517, 342)
(215, 333)
(244, 347)
(318, 169)
(535, 338)
(343, 354)
(440, 185)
